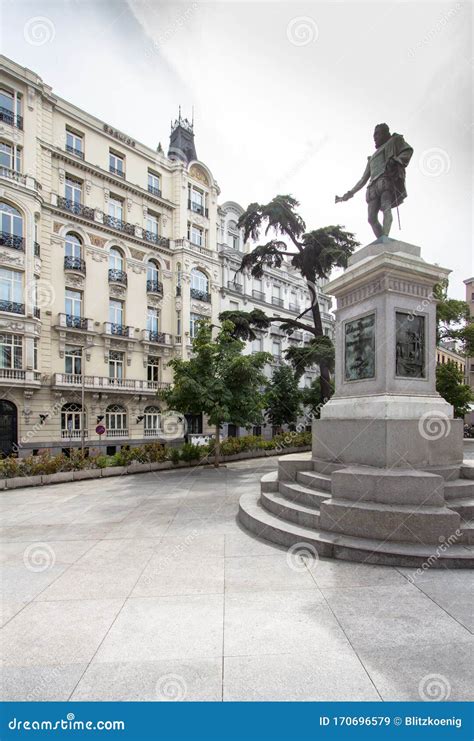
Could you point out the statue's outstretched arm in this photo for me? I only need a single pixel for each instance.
(360, 184)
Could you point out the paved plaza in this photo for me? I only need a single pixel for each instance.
(145, 587)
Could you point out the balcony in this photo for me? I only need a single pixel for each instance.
(234, 286)
(197, 208)
(118, 330)
(277, 301)
(12, 307)
(154, 191)
(117, 276)
(295, 308)
(123, 432)
(103, 383)
(76, 208)
(15, 376)
(160, 338)
(259, 295)
(76, 322)
(154, 286)
(200, 295)
(74, 264)
(121, 226)
(155, 238)
(11, 118)
(117, 171)
(75, 152)
(74, 434)
(17, 177)
(12, 240)
(186, 243)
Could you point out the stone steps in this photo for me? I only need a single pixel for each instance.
(459, 489)
(467, 470)
(467, 529)
(268, 526)
(404, 522)
(298, 493)
(314, 480)
(464, 507)
(269, 482)
(326, 467)
(290, 511)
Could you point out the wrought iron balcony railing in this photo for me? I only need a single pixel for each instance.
(117, 276)
(155, 238)
(117, 171)
(10, 118)
(157, 337)
(75, 151)
(12, 240)
(76, 322)
(74, 263)
(197, 208)
(122, 226)
(200, 295)
(154, 286)
(12, 306)
(76, 208)
(277, 301)
(154, 191)
(258, 294)
(120, 330)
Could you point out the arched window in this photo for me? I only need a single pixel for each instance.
(116, 421)
(152, 421)
(11, 221)
(199, 280)
(152, 271)
(71, 419)
(116, 261)
(73, 247)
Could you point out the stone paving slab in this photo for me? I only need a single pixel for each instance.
(146, 588)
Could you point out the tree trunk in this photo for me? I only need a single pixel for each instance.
(326, 388)
(217, 447)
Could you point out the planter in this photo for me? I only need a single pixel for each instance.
(137, 467)
(57, 478)
(160, 466)
(114, 471)
(19, 481)
(87, 473)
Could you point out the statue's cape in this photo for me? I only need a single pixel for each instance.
(400, 153)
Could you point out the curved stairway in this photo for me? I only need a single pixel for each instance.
(349, 513)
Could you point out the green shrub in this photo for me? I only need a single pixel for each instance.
(100, 461)
(174, 456)
(190, 452)
(155, 452)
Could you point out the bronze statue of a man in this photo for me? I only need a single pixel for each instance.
(386, 172)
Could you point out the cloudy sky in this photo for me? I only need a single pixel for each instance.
(285, 96)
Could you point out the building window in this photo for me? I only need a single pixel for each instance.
(234, 306)
(276, 349)
(35, 354)
(11, 221)
(153, 369)
(196, 235)
(154, 183)
(194, 320)
(152, 272)
(116, 418)
(73, 246)
(115, 212)
(196, 200)
(116, 312)
(276, 296)
(11, 288)
(257, 344)
(10, 156)
(75, 143)
(116, 164)
(73, 303)
(194, 424)
(199, 280)
(116, 361)
(71, 419)
(152, 420)
(152, 317)
(151, 227)
(73, 190)
(178, 323)
(116, 260)
(11, 108)
(11, 351)
(73, 360)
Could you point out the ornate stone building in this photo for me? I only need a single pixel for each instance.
(108, 257)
